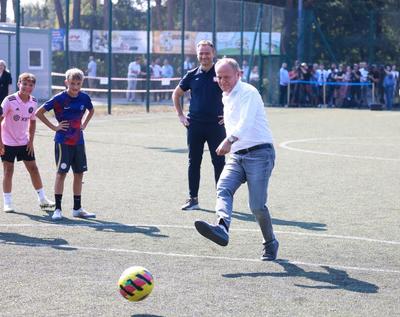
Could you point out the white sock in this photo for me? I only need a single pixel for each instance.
(41, 194)
(7, 198)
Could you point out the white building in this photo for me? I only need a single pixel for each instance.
(35, 55)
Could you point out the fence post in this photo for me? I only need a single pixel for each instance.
(288, 95)
(324, 93)
(373, 93)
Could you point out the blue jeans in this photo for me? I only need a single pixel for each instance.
(255, 168)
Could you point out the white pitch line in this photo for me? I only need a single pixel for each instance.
(285, 145)
(103, 225)
(209, 257)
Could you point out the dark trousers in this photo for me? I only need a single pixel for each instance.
(198, 134)
(283, 95)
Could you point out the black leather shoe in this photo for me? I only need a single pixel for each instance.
(216, 233)
(270, 250)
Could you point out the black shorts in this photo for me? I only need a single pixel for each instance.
(70, 156)
(19, 152)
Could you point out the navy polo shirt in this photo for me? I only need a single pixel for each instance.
(206, 96)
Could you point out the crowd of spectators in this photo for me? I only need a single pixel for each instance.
(357, 85)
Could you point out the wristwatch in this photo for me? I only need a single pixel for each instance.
(231, 139)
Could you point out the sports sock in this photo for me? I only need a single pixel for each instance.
(77, 202)
(7, 198)
(58, 198)
(41, 194)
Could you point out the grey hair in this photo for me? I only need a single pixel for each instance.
(230, 61)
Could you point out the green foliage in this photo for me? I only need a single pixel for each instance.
(355, 30)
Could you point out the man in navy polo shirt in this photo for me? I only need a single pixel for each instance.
(204, 122)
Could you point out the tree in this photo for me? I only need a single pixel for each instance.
(59, 13)
(76, 14)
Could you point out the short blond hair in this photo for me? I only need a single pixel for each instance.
(27, 77)
(74, 74)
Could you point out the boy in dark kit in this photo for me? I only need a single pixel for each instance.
(69, 108)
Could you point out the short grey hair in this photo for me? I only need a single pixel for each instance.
(229, 61)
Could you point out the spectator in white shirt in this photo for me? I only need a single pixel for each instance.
(364, 80)
(156, 78)
(252, 158)
(92, 72)
(283, 84)
(133, 72)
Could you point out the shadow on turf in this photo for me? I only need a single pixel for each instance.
(315, 226)
(98, 225)
(167, 149)
(339, 279)
(146, 315)
(20, 239)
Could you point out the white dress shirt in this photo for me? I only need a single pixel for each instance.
(245, 118)
(283, 77)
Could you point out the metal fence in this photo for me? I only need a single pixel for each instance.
(239, 29)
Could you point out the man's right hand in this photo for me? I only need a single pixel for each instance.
(184, 120)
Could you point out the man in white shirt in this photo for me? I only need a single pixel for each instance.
(252, 158)
(283, 84)
(364, 80)
(92, 72)
(156, 72)
(133, 73)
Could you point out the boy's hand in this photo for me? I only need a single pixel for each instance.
(63, 126)
(29, 148)
(1, 148)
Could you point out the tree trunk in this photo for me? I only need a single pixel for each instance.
(76, 14)
(170, 13)
(59, 13)
(156, 21)
(3, 9)
(105, 15)
(287, 30)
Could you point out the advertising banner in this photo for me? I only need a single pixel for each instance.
(57, 39)
(79, 40)
(228, 43)
(170, 42)
(122, 41)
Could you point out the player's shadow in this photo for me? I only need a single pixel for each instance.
(242, 216)
(145, 315)
(107, 226)
(98, 225)
(23, 240)
(167, 149)
(338, 279)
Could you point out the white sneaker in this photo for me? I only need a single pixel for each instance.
(46, 203)
(82, 213)
(57, 215)
(8, 208)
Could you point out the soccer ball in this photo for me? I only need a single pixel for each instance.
(135, 283)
